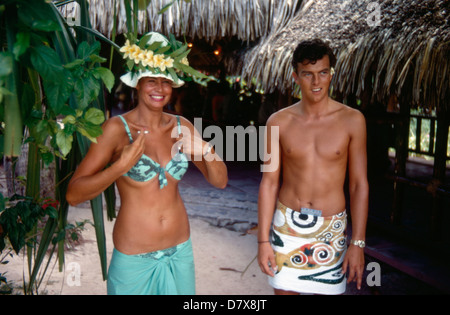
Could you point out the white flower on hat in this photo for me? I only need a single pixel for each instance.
(129, 50)
(159, 62)
(139, 56)
(148, 59)
(156, 56)
(185, 61)
(168, 62)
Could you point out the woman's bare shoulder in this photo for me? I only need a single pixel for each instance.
(113, 125)
(113, 130)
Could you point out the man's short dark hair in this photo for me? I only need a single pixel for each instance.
(309, 51)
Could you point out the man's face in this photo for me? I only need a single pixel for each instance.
(314, 79)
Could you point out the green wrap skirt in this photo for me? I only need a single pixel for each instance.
(164, 272)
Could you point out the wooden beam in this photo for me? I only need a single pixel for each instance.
(439, 168)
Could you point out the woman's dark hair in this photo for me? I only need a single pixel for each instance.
(309, 51)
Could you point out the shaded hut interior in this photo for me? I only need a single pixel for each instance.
(393, 64)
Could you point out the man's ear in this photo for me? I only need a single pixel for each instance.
(295, 76)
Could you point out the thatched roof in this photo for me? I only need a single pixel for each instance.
(270, 61)
(248, 20)
(412, 43)
(412, 40)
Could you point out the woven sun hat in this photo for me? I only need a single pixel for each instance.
(154, 55)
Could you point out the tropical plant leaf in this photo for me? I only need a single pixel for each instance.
(98, 35)
(94, 116)
(86, 90)
(38, 17)
(6, 64)
(85, 50)
(22, 43)
(59, 92)
(106, 76)
(64, 142)
(46, 61)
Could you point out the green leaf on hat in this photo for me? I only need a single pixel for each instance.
(144, 40)
(154, 46)
(162, 50)
(172, 40)
(130, 64)
(192, 71)
(173, 75)
(181, 56)
(179, 51)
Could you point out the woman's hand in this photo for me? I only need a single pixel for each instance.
(132, 152)
(193, 146)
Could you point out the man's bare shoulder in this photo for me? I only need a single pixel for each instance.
(282, 116)
(352, 117)
(354, 114)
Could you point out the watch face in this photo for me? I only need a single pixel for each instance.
(360, 244)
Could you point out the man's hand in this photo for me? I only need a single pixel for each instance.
(266, 259)
(354, 261)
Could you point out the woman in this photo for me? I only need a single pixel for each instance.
(145, 152)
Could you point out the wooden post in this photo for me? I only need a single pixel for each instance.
(401, 156)
(439, 168)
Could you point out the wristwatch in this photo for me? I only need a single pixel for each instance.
(359, 243)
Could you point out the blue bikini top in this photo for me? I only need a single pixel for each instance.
(146, 169)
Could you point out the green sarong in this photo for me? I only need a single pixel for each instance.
(164, 272)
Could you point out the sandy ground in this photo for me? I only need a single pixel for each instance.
(220, 257)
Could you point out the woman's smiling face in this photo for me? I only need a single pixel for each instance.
(155, 91)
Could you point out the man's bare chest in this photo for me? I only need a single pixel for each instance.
(315, 142)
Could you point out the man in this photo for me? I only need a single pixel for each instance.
(302, 222)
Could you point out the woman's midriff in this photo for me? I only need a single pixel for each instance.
(144, 225)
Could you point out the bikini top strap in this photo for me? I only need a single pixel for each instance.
(127, 129)
(179, 132)
(179, 125)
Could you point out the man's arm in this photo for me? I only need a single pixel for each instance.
(359, 197)
(268, 192)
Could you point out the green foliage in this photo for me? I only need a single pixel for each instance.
(168, 5)
(173, 49)
(51, 87)
(21, 218)
(81, 78)
(44, 126)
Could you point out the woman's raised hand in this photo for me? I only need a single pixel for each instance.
(132, 152)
